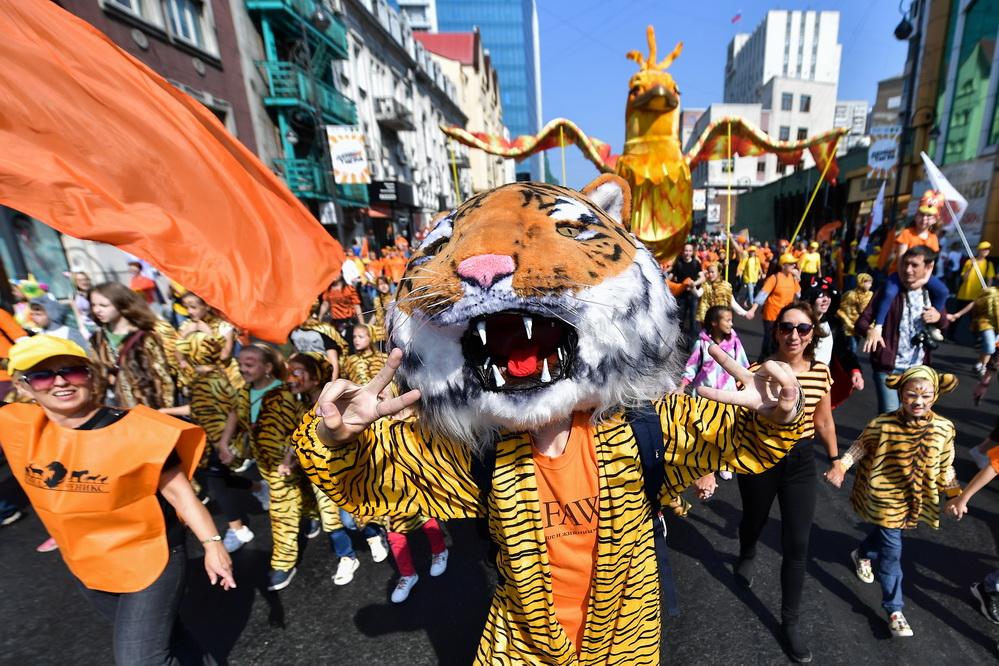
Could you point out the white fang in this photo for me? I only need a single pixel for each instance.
(528, 326)
(545, 375)
(498, 376)
(481, 328)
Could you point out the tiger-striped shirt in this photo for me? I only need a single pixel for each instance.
(399, 467)
(815, 383)
(902, 467)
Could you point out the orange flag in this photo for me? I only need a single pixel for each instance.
(97, 145)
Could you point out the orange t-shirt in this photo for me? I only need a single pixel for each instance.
(782, 289)
(569, 491)
(910, 238)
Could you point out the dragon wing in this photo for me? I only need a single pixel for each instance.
(557, 132)
(750, 141)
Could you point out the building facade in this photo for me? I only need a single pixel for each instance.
(853, 115)
(462, 58)
(402, 97)
(887, 109)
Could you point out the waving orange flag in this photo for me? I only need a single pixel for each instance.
(97, 145)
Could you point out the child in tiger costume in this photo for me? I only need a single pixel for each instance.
(904, 459)
(529, 322)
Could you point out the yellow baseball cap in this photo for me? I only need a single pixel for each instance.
(788, 259)
(29, 352)
(813, 245)
(985, 245)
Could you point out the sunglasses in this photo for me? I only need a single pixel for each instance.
(786, 327)
(42, 380)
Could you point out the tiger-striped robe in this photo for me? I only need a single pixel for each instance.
(399, 467)
(903, 465)
(211, 391)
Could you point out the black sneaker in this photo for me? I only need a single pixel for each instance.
(988, 602)
(278, 580)
(315, 527)
(744, 572)
(795, 644)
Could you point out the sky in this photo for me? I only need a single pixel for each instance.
(584, 72)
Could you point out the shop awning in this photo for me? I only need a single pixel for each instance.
(380, 212)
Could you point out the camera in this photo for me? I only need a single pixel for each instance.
(926, 339)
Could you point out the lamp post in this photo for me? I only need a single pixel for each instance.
(904, 31)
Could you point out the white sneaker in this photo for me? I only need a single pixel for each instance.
(263, 495)
(980, 458)
(236, 539)
(403, 588)
(725, 475)
(862, 567)
(898, 625)
(378, 550)
(243, 466)
(980, 369)
(345, 570)
(438, 563)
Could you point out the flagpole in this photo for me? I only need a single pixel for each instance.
(822, 177)
(971, 256)
(728, 204)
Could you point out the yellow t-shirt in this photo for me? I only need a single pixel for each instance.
(971, 286)
(810, 262)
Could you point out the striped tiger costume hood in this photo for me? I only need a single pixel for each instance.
(529, 302)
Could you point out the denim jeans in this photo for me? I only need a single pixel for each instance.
(987, 341)
(887, 398)
(340, 540)
(6, 509)
(146, 630)
(883, 546)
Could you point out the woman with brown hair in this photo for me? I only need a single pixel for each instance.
(791, 481)
(129, 353)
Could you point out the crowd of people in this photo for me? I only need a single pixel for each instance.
(129, 357)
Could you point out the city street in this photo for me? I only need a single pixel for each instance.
(314, 622)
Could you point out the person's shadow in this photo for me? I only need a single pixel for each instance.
(451, 608)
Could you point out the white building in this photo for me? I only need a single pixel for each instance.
(422, 14)
(852, 114)
(402, 98)
(790, 66)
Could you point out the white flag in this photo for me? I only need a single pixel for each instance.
(877, 216)
(954, 206)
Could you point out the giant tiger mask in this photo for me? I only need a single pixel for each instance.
(529, 302)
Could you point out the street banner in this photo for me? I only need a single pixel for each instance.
(350, 161)
(877, 216)
(96, 144)
(882, 155)
(954, 206)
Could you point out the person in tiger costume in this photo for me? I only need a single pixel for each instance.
(528, 322)
(905, 460)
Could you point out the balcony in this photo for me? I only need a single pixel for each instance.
(390, 113)
(352, 196)
(290, 86)
(307, 179)
(292, 16)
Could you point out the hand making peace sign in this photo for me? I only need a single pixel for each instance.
(772, 391)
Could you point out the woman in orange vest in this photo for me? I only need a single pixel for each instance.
(112, 487)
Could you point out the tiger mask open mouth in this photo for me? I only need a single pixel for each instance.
(529, 302)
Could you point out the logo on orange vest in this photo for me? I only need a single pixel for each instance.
(55, 476)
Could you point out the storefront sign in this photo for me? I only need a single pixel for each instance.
(350, 162)
(700, 199)
(882, 155)
(391, 192)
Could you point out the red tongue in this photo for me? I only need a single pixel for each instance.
(523, 361)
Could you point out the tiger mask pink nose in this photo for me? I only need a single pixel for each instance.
(486, 269)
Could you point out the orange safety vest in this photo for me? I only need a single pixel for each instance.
(95, 490)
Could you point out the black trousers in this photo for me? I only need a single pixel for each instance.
(220, 483)
(792, 482)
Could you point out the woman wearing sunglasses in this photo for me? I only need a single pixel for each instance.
(112, 488)
(791, 481)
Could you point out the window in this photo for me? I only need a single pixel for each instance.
(189, 23)
(786, 101)
(805, 103)
(802, 133)
(785, 133)
(727, 166)
(761, 166)
(147, 10)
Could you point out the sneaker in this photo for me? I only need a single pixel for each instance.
(403, 588)
(243, 466)
(278, 580)
(438, 563)
(725, 475)
(345, 570)
(263, 495)
(11, 518)
(980, 369)
(988, 602)
(981, 459)
(47, 546)
(744, 572)
(205, 499)
(236, 539)
(378, 550)
(315, 527)
(898, 625)
(862, 567)
(796, 647)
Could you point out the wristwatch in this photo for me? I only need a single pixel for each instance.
(210, 539)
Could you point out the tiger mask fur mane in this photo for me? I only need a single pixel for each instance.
(529, 302)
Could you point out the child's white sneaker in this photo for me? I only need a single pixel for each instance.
(345, 570)
(862, 566)
(403, 588)
(438, 563)
(898, 625)
(378, 550)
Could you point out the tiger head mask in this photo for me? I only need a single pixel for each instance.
(529, 302)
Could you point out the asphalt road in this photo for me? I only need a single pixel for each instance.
(45, 621)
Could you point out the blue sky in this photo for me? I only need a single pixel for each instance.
(584, 73)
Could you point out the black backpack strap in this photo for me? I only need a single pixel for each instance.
(648, 431)
(483, 466)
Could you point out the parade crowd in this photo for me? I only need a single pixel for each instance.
(165, 367)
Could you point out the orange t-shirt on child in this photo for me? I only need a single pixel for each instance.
(569, 491)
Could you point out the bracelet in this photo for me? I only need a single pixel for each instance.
(211, 539)
(838, 456)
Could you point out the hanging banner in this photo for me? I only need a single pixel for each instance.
(882, 155)
(350, 161)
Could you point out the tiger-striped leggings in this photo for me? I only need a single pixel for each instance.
(285, 512)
